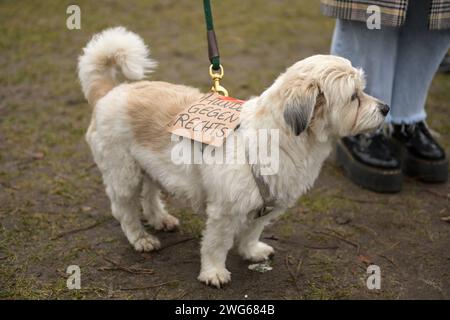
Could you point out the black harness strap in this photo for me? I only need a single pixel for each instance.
(269, 202)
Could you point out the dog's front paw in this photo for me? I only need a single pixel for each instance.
(215, 277)
(146, 243)
(166, 223)
(257, 252)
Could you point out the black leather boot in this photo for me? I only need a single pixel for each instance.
(422, 157)
(370, 162)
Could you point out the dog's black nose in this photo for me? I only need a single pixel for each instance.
(384, 109)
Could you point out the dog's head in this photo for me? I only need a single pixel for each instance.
(325, 94)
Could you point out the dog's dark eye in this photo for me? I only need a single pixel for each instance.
(354, 96)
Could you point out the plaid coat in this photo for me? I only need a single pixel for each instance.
(393, 12)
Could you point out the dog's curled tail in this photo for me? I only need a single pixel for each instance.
(112, 48)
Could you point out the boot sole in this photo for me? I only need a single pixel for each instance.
(435, 171)
(368, 177)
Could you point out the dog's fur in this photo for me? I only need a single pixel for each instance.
(315, 101)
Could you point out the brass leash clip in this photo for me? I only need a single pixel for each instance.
(216, 77)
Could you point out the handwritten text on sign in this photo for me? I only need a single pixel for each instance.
(208, 120)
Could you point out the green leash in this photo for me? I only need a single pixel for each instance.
(213, 49)
(216, 69)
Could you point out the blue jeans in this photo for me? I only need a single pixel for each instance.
(399, 62)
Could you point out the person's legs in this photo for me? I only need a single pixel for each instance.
(368, 159)
(400, 64)
(419, 53)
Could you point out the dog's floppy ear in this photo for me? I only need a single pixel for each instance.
(299, 106)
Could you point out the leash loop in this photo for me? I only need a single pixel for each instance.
(216, 69)
(213, 49)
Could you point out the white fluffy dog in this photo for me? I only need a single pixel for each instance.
(315, 101)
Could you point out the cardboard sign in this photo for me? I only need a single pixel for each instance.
(208, 120)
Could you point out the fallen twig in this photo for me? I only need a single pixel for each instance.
(272, 237)
(126, 269)
(148, 287)
(331, 247)
(293, 275)
(358, 200)
(8, 186)
(157, 291)
(392, 246)
(434, 285)
(356, 245)
(388, 259)
(62, 273)
(321, 247)
(177, 243)
(182, 295)
(63, 234)
(366, 228)
(437, 194)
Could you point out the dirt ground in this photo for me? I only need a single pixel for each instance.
(54, 212)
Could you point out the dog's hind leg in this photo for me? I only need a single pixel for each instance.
(154, 211)
(123, 179)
